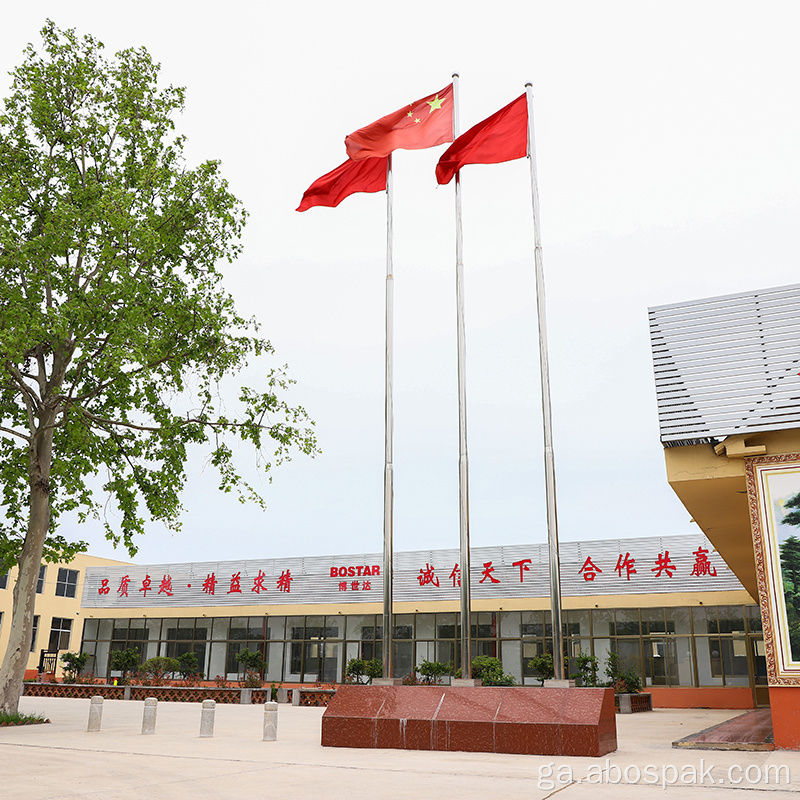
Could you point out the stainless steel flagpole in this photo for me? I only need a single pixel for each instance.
(549, 459)
(388, 469)
(463, 460)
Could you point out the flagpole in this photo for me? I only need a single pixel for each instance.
(549, 459)
(388, 469)
(463, 460)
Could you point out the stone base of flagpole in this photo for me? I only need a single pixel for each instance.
(466, 682)
(387, 681)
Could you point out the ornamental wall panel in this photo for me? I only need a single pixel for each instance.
(645, 565)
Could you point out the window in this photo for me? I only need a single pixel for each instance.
(3, 580)
(67, 583)
(59, 634)
(35, 631)
(40, 582)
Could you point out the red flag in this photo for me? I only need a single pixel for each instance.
(501, 137)
(352, 176)
(426, 123)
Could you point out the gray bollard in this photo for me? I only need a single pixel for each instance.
(149, 716)
(95, 713)
(295, 696)
(207, 719)
(270, 722)
(283, 695)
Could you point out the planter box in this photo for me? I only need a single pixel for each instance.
(632, 703)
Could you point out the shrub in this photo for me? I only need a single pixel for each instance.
(543, 666)
(433, 671)
(623, 681)
(73, 665)
(361, 670)
(125, 661)
(189, 664)
(489, 671)
(587, 669)
(158, 670)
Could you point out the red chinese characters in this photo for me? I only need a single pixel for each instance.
(285, 581)
(145, 585)
(236, 583)
(523, 567)
(589, 570)
(124, 583)
(455, 575)
(258, 583)
(166, 586)
(663, 564)
(104, 588)
(702, 566)
(625, 564)
(427, 576)
(488, 569)
(210, 583)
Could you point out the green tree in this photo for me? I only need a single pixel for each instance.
(115, 330)
(489, 670)
(190, 664)
(125, 661)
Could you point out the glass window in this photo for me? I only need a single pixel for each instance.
(578, 622)
(35, 631)
(679, 620)
(120, 632)
(239, 628)
(484, 624)
(67, 582)
(403, 629)
(425, 626)
(257, 628)
(532, 624)
(731, 619)
(356, 624)
(59, 634)
(90, 629)
(627, 621)
(709, 660)
(753, 614)
(275, 627)
(3, 580)
(705, 619)
(653, 621)
(445, 627)
(104, 631)
(219, 629)
(333, 626)
(40, 581)
(509, 624)
(602, 622)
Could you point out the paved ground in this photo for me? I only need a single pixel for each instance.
(61, 760)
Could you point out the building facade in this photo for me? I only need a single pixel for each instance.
(669, 606)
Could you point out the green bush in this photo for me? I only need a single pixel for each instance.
(623, 681)
(74, 664)
(189, 664)
(361, 670)
(489, 671)
(433, 671)
(543, 666)
(157, 670)
(125, 661)
(588, 667)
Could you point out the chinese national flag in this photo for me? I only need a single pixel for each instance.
(352, 176)
(426, 123)
(501, 137)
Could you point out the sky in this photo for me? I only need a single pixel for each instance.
(668, 168)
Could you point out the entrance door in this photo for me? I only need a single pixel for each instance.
(758, 671)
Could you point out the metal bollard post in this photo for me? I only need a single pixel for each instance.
(207, 719)
(270, 722)
(149, 716)
(95, 713)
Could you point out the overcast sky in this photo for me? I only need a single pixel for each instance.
(668, 146)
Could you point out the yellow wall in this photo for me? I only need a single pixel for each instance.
(49, 606)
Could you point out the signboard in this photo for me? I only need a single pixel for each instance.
(773, 487)
(619, 566)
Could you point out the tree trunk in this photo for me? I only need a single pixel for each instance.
(18, 650)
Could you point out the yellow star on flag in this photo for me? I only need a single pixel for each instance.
(434, 104)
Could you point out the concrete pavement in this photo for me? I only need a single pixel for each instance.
(62, 760)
